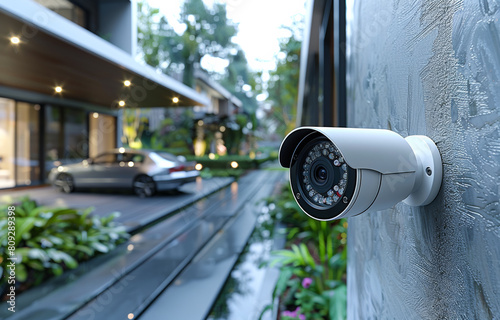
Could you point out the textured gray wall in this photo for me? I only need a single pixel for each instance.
(433, 68)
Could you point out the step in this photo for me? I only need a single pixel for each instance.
(194, 291)
(149, 279)
(249, 288)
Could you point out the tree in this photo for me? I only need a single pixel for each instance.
(152, 30)
(284, 82)
(208, 32)
(241, 82)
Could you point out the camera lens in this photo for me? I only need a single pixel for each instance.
(321, 175)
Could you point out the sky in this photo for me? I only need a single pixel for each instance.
(259, 25)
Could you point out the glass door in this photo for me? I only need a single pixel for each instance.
(27, 144)
(102, 135)
(7, 143)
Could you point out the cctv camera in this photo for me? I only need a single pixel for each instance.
(342, 172)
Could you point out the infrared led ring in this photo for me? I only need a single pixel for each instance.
(322, 178)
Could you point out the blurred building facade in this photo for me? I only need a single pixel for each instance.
(217, 119)
(431, 68)
(322, 97)
(67, 71)
(223, 104)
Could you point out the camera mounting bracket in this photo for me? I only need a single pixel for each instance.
(429, 171)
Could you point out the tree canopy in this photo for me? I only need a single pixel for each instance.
(207, 33)
(283, 83)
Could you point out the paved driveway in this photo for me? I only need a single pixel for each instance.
(135, 212)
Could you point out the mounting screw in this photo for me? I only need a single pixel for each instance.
(428, 171)
(297, 195)
(345, 199)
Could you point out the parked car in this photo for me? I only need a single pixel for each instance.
(143, 171)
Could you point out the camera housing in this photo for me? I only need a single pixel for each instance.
(342, 172)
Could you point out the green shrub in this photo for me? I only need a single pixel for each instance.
(48, 241)
(224, 162)
(208, 173)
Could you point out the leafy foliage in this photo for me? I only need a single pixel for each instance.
(175, 132)
(134, 125)
(51, 240)
(284, 83)
(152, 29)
(313, 268)
(243, 83)
(224, 162)
(208, 32)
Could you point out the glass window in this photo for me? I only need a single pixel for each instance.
(107, 158)
(66, 139)
(54, 138)
(134, 157)
(7, 140)
(75, 135)
(102, 136)
(27, 144)
(66, 9)
(168, 156)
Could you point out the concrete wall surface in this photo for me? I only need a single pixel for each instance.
(432, 68)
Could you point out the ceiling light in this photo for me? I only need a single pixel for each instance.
(127, 83)
(15, 40)
(58, 89)
(175, 99)
(121, 103)
(95, 115)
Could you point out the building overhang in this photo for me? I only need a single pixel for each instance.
(55, 52)
(216, 89)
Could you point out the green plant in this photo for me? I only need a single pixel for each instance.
(316, 287)
(50, 240)
(208, 173)
(174, 133)
(313, 267)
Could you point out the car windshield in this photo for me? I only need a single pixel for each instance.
(105, 158)
(162, 161)
(134, 157)
(167, 156)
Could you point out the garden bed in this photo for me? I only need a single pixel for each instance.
(312, 281)
(43, 242)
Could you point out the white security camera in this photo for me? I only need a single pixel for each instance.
(342, 172)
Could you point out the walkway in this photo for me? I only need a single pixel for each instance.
(135, 212)
(172, 270)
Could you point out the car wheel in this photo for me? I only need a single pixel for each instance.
(65, 183)
(144, 186)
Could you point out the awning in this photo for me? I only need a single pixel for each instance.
(56, 52)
